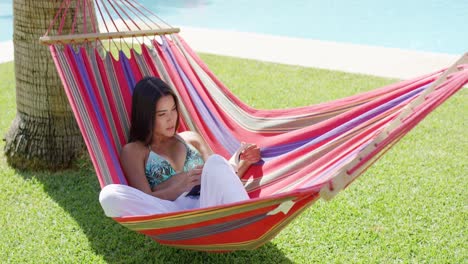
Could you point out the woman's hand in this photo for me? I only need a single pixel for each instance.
(250, 154)
(193, 178)
(178, 184)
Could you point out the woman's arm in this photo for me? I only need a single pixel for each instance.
(198, 142)
(247, 155)
(133, 158)
(250, 153)
(178, 184)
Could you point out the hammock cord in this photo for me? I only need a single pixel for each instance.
(101, 15)
(75, 17)
(111, 18)
(52, 23)
(85, 21)
(144, 21)
(140, 7)
(92, 13)
(110, 41)
(115, 18)
(128, 18)
(64, 16)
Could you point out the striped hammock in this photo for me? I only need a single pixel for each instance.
(307, 152)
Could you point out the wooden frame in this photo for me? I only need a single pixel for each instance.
(78, 38)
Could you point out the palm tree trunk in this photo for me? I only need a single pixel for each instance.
(44, 133)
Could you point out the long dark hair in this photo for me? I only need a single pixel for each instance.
(146, 94)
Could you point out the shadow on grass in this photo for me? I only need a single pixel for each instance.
(77, 191)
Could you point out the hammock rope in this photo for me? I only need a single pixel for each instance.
(114, 18)
(308, 152)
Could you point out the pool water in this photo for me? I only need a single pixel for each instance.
(6, 20)
(423, 25)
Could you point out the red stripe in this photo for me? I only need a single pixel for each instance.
(122, 82)
(78, 117)
(135, 68)
(97, 97)
(110, 94)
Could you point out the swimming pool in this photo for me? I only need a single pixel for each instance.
(423, 25)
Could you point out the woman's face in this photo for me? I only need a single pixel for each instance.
(166, 117)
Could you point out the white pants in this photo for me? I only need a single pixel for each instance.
(219, 185)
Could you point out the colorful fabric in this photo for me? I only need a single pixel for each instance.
(307, 152)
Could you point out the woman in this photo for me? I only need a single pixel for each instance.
(164, 169)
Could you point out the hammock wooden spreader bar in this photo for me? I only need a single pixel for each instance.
(80, 38)
(308, 152)
(95, 20)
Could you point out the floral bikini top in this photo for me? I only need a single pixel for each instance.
(158, 169)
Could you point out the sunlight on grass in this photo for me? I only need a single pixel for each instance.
(408, 207)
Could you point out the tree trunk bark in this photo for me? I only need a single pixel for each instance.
(44, 133)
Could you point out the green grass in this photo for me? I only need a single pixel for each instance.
(409, 207)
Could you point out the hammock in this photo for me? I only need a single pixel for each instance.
(307, 152)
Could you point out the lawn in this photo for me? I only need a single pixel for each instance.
(409, 207)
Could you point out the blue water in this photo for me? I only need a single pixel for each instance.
(6, 20)
(423, 25)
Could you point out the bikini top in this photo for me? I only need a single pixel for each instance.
(158, 169)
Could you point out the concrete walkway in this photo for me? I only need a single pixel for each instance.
(6, 51)
(377, 61)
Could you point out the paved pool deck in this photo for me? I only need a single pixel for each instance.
(371, 60)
